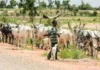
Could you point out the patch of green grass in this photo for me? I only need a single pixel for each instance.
(28, 41)
(72, 53)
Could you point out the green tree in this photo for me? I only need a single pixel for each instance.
(95, 13)
(2, 4)
(66, 5)
(57, 3)
(88, 6)
(50, 4)
(74, 9)
(28, 6)
(13, 3)
(82, 6)
(22, 6)
(21, 3)
(42, 4)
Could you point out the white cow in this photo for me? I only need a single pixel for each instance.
(21, 34)
(66, 37)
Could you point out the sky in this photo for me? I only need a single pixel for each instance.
(94, 3)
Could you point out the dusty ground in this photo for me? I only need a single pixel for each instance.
(88, 26)
(12, 58)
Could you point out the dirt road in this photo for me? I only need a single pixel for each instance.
(12, 58)
(87, 26)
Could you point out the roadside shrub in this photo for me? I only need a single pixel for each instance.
(78, 19)
(4, 19)
(57, 11)
(94, 19)
(85, 13)
(72, 53)
(95, 13)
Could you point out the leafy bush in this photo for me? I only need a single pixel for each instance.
(95, 13)
(4, 19)
(78, 19)
(72, 53)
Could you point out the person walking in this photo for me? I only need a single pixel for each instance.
(53, 38)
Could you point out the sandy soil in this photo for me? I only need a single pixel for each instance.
(89, 26)
(13, 58)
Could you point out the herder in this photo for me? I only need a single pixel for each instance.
(53, 38)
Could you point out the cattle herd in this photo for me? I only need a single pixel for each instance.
(84, 39)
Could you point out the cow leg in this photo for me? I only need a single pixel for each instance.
(95, 52)
(68, 44)
(12, 39)
(31, 40)
(15, 41)
(9, 39)
(37, 43)
(3, 37)
(91, 49)
(24, 43)
(18, 42)
(6, 38)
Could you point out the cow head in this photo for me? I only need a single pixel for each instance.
(76, 32)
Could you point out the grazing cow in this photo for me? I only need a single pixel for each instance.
(65, 39)
(87, 40)
(39, 31)
(65, 35)
(21, 33)
(6, 33)
(83, 39)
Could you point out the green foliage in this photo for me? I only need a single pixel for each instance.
(42, 5)
(95, 13)
(57, 3)
(85, 13)
(66, 4)
(4, 16)
(84, 6)
(28, 41)
(4, 19)
(72, 53)
(50, 4)
(13, 3)
(88, 6)
(2, 4)
(49, 21)
(78, 19)
(28, 6)
(57, 11)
